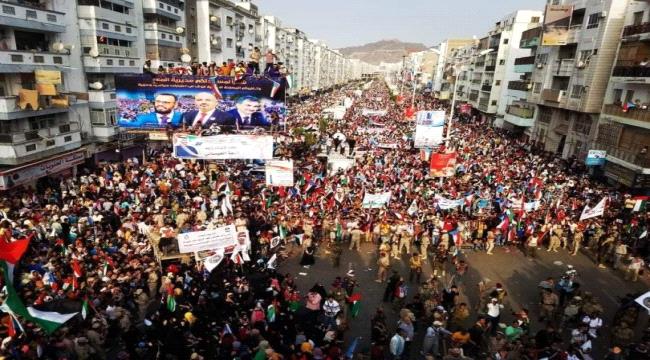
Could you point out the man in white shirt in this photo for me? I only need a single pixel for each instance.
(331, 308)
(494, 314)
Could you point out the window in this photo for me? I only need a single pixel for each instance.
(229, 43)
(537, 88)
(8, 10)
(97, 117)
(505, 41)
(576, 92)
(30, 147)
(593, 21)
(618, 95)
(534, 19)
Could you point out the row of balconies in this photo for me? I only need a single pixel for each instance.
(20, 137)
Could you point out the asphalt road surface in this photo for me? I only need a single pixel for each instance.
(518, 274)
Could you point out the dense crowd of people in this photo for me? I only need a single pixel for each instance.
(96, 238)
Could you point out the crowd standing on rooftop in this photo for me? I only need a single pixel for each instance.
(110, 219)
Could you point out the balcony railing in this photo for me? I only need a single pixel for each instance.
(632, 114)
(554, 95)
(520, 109)
(633, 156)
(519, 85)
(636, 29)
(632, 71)
(527, 60)
(17, 57)
(564, 67)
(28, 12)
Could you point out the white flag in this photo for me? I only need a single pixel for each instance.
(597, 210)
(644, 300)
(213, 261)
(413, 209)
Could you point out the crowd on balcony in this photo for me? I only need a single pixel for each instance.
(90, 241)
(252, 67)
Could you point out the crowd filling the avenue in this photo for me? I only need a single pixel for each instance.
(85, 274)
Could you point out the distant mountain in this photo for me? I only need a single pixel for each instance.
(390, 51)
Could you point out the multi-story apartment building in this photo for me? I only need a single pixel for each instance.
(494, 65)
(445, 51)
(164, 31)
(42, 114)
(570, 81)
(624, 124)
(222, 30)
(112, 40)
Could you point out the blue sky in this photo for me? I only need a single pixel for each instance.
(343, 23)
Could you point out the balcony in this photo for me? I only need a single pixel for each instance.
(486, 87)
(636, 29)
(25, 16)
(553, 95)
(638, 117)
(117, 51)
(163, 8)
(524, 64)
(163, 35)
(530, 38)
(101, 96)
(9, 109)
(111, 65)
(519, 85)
(521, 109)
(632, 156)
(15, 61)
(564, 67)
(17, 138)
(631, 71)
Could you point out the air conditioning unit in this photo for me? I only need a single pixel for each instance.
(581, 65)
(540, 65)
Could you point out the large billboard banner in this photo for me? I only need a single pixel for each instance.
(223, 147)
(556, 25)
(186, 101)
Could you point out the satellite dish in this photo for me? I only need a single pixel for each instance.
(180, 30)
(58, 46)
(93, 52)
(96, 85)
(186, 58)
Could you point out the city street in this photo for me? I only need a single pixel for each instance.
(518, 274)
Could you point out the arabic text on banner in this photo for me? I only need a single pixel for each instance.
(373, 201)
(219, 238)
(222, 147)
